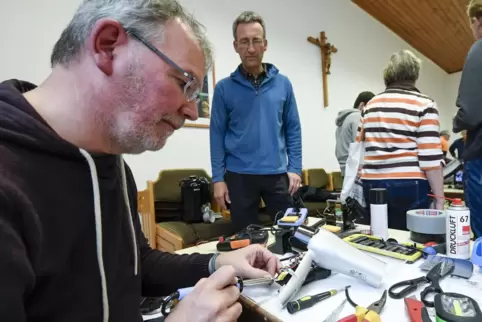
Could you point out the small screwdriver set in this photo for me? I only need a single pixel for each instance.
(373, 244)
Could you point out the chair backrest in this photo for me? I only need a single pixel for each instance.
(145, 206)
(337, 180)
(166, 187)
(317, 178)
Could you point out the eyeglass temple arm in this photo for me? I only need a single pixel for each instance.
(160, 53)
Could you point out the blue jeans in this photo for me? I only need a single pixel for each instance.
(473, 194)
(403, 195)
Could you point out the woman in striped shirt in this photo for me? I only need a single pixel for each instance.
(403, 153)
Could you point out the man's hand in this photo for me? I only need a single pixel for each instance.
(221, 194)
(295, 182)
(212, 299)
(254, 261)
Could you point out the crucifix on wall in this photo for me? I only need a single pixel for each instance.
(327, 50)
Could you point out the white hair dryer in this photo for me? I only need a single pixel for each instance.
(331, 252)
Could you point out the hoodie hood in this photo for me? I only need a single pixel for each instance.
(20, 123)
(342, 115)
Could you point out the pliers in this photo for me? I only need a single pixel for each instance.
(369, 314)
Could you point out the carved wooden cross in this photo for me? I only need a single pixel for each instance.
(326, 50)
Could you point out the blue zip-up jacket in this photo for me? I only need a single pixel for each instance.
(255, 131)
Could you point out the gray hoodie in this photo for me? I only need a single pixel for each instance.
(347, 125)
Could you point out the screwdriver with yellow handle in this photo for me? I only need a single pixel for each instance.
(310, 300)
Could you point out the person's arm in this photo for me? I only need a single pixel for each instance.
(469, 99)
(17, 244)
(291, 120)
(452, 148)
(430, 149)
(217, 133)
(162, 272)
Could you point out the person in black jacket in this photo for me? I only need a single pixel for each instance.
(125, 75)
(457, 147)
(469, 118)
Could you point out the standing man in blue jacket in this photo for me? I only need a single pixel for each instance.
(255, 131)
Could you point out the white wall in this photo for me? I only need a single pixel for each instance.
(364, 46)
(451, 90)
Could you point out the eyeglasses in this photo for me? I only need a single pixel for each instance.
(245, 43)
(192, 88)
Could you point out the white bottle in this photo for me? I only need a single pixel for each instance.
(379, 212)
(457, 227)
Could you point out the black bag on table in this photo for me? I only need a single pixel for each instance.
(195, 192)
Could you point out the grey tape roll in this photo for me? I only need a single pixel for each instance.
(426, 221)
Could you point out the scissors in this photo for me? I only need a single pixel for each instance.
(433, 277)
(369, 314)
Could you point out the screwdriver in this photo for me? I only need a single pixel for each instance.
(310, 300)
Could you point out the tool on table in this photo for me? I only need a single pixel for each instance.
(426, 225)
(251, 235)
(333, 317)
(462, 268)
(369, 314)
(259, 281)
(344, 259)
(310, 300)
(432, 248)
(150, 305)
(458, 230)
(376, 245)
(379, 212)
(417, 312)
(171, 301)
(477, 253)
(316, 273)
(453, 307)
(434, 275)
(293, 217)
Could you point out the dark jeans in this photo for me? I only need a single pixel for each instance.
(403, 195)
(245, 191)
(473, 194)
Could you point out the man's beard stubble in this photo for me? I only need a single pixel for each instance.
(128, 131)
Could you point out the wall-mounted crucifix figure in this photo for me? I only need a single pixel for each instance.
(326, 50)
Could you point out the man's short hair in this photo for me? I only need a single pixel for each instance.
(444, 133)
(144, 17)
(474, 9)
(363, 97)
(403, 67)
(248, 17)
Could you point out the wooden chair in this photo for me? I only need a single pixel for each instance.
(174, 235)
(145, 205)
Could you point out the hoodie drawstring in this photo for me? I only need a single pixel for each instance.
(98, 227)
(131, 223)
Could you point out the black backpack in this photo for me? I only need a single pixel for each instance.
(195, 192)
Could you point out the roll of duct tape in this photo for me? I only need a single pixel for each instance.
(426, 221)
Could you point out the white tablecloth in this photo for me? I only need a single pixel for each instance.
(360, 292)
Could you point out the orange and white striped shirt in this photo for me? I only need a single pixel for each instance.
(402, 140)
